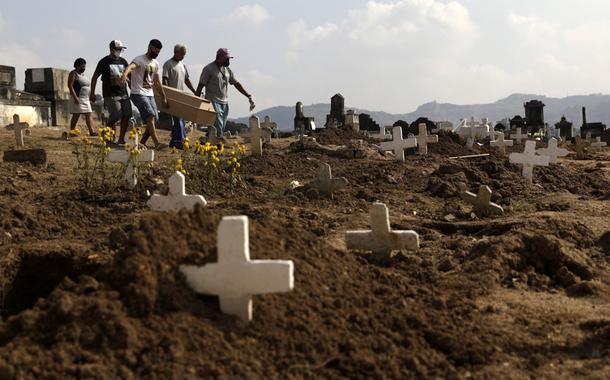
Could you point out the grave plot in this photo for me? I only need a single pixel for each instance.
(477, 298)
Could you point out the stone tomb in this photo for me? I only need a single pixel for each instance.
(500, 143)
(235, 278)
(398, 144)
(381, 239)
(130, 159)
(256, 137)
(326, 184)
(423, 139)
(529, 160)
(553, 151)
(481, 203)
(176, 198)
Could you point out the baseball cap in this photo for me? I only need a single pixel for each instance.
(223, 52)
(117, 44)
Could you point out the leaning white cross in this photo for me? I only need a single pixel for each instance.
(598, 144)
(326, 183)
(529, 159)
(256, 137)
(18, 128)
(139, 155)
(553, 151)
(500, 143)
(176, 198)
(519, 136)
(481, 202)
(423, 139)
(235, 278)
(380, 239)
(398, 145)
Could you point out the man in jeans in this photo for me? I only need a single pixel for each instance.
(176, 75)
(116, 98)
(216, 77)
(144, 70)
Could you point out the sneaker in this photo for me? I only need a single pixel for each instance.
(160, 146)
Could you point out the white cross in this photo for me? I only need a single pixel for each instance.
(256, 137)
(553, 151)
(268, 128)
(500, 143)
(380, 238)
(176, 198)
(423, 139)
(481, 202)
(235, 278)
(598, 144)
(325, 183)
(18, 128)
(381, 135)
(529, 159)
(398, 145)
(588, 137)
(519, 136)
(131, 171)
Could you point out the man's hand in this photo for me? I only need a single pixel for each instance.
(75, 100)
(92, 98)
(252, 105)
(123, 80)
(165, 102)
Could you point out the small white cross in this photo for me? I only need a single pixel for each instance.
(529, 159)
(500, 143)
(553, 151)
(481, 202)
(235, 278)
(176, 198)
(131, 171)
(398, 145)
(380, 238)
(423, 139)
(256, 137)
(326, 183)
(519, 136)
(381, 135)
(598, 144)
(588, 137)
(18, 128)
(268, 128)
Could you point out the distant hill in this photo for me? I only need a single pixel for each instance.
(598, 109)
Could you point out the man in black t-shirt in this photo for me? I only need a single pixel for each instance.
(116, 97)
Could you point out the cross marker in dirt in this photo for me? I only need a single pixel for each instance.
(481, 202)
(18, 127)
(519, 136)
(423, 139)
(529, 160)
(588, 137)
(398, 145)
(125, 157)
(256, 137)
(381, 239)
(268, 128)
(598, 144)
(326, 183)
(553, 151)
(381, 135)
(235, 278)
(500, 143)
(176, 198)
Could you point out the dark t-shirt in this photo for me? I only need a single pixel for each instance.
(112, 70)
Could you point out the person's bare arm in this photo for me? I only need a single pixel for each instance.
(241, 89)
(188, 83)
(93, 84)
(199, 89)
(165, 81)
(71, 79)
(157, 82)
(127, 71)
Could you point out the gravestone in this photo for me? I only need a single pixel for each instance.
(565, 128)
(269, 129)
(256, 137)
(579, 146)
(381, 239)
(423, 139)
(336, 118)
(130, 159)
(588, 138)
(500, 143)
(598, 143)
(18, 128)
(176, 198)
(553, 151)
(529, 160)
(398, 144)
(518, 136)
(235, 278)
(481, 203)
(326, 184)
(302, 124)
(381, 135)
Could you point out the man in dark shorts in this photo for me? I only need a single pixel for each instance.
(116, 97)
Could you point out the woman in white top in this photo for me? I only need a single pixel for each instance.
(80, 89)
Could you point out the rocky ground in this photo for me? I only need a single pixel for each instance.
(90, 287)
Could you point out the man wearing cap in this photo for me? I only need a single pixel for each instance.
(216, 77)
(116, 98)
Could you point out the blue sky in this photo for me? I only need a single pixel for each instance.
(381, 55)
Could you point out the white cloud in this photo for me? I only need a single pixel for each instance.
(300, 34)
(258, 78)
(591, 33)
(535, 28)
(252, 14)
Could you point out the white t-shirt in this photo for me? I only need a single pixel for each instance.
(142, 76)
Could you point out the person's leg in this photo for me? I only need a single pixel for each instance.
(114, 112)
(178, 133)
(73, 121)
(89, 122)
(218, 123)
(126, 114)
(225, 117)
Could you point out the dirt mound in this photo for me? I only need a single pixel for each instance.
(337, 136)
